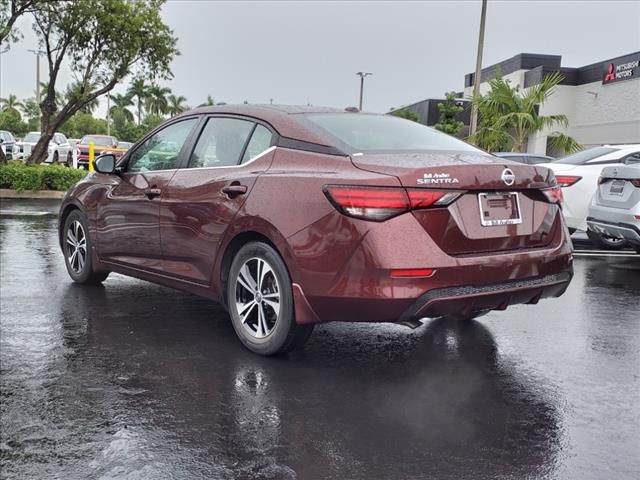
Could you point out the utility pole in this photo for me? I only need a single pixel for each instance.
(477, 76)
(2, 50)
(362, 75)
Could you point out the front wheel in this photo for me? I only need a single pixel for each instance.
(77, 250)
(608, 243)
(260, 302)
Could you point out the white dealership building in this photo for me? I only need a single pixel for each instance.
(601, 100)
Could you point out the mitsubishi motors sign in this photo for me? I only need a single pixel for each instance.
(618, 71)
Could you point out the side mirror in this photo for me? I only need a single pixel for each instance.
(105, 163)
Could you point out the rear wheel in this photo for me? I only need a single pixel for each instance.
(608, 243)
(260, 302)
(77, 250)
(55, 157)
(69, 160)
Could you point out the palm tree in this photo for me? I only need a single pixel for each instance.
(210, 101)
(77, 91)
(140, 90)
(509, 115)
(11, 103)
(176, 104)
(120, 104)
(157, 103)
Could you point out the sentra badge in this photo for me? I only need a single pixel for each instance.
(437, 179)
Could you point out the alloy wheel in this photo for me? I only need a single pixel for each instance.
(257, 297)
(76, 247)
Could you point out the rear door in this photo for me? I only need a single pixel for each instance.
(203, 197)
(128, 217)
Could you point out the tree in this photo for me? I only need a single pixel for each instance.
(31, 112)
(74, 91)
(119, 107)
(176, 104)
(102, 41)
(10, 11)
(210, 101)
(140, 90)
(83, 123)
(10, 120)
(11, 103)
(449, 112)
(508, 112)
(157, 103)
(406, 114)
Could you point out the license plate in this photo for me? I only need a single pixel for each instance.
(617, 187)
(500, 208)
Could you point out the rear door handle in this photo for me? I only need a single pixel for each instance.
(233, 190)
(152, 192)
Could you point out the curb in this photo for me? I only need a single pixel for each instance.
(39, 195)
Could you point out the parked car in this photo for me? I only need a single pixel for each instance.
(615, 207)
(291, 216)
(528, 158)
(101, 143)
(578, 174)
(58, 151)
(125, 145)
(8, 144)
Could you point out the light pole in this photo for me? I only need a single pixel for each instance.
(362, 75)
(108, 114)
(476, 76)
(37, 53)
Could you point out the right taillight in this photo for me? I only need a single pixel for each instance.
(635, 182)
(381, 203)
(567, 180)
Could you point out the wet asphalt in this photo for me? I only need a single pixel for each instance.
(137, 381)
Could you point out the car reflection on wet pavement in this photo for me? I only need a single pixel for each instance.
(133, 380)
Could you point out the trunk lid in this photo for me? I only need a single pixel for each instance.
(493, 190)
(616, 189)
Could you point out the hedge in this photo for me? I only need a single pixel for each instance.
(18, 176)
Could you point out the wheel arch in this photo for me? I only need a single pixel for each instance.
(64, 214)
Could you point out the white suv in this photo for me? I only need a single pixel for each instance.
(59, 150)
(578, 175)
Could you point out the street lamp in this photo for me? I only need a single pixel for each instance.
(37, 53)
(362, 75)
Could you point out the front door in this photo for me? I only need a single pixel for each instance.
(128, 216)
(202, 199)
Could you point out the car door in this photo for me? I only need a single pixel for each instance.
(63, 147)
(202, 199)
(128, 216)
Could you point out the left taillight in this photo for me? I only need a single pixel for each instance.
(381, 203)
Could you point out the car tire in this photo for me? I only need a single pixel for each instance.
(607, 243)
(69, 160)
(260, 302)
(76, 246)
(55, 158)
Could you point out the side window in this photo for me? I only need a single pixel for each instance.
(161, 151)
(260, 141)
(62, 138)
(633, 158)
(221, 143)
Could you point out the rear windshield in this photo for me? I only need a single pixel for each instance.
(384, 133)
(100, 141)
(584, 156)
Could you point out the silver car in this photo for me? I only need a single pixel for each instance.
(615, 208)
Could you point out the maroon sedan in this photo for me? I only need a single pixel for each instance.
(294, 216)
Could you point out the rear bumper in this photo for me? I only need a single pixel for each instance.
(465, 300)
(615, 229)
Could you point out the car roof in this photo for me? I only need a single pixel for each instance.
(283, 118)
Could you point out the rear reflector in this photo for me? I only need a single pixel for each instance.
(412, 272)
(566, 180)
(381, 203)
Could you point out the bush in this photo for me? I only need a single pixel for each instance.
(18, 176)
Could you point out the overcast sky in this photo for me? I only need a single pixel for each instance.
(309, 52)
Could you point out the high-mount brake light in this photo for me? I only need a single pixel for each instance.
(381, 203)
(567, 180)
